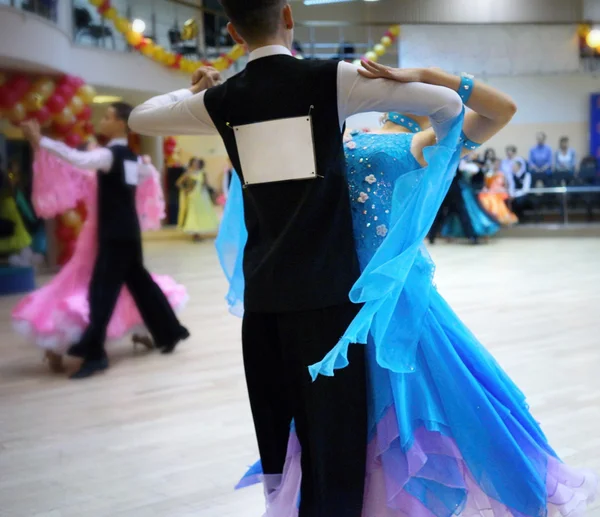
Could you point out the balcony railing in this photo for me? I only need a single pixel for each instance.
(45, 8)
(162, 22)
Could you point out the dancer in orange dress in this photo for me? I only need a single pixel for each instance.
(493, 198)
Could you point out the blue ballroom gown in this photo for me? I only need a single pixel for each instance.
(449, 432)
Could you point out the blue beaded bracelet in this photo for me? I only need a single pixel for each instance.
(467, 143)
(466, 87)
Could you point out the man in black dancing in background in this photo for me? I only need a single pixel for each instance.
(119, 261)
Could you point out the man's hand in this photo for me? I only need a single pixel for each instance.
(372, 70)
(31, 131)
(204, 78)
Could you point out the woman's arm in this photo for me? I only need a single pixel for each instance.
(491, 109)
(181, 179)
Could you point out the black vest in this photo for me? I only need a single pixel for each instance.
(300, 253)
(117, 214)
(519, 180)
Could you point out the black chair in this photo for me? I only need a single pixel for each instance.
(85, 28)
(346, 52)
(45, 8)
(589, 170)
(179, 46)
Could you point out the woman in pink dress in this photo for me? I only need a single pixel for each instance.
(55, 316)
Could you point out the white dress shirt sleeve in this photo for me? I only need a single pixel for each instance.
(177, 113)
(357, 94)
(510, 181)
(526, 186)
(100, 159)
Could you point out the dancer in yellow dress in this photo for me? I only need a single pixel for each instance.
(197, 215)
(20, 238)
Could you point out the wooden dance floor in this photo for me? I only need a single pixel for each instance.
(170, 436)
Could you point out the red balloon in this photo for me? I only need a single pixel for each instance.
(19, 84)
(8, 97)
(56, 104)
(67, 252)
(42, 115)
(73, 140)
(62, 130)
(69, 246)
(82, 210)
(89, 128)
(65, 233)
(85, 114)
(66, 91)
(75, 82)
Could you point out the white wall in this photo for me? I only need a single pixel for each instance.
(591, 10)
(447, 11)
(491, 50)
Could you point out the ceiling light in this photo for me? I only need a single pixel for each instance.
(106, 99)
(593, 38)
(138, 25)
(322, 2)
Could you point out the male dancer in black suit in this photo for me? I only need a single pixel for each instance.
(120, 259)
(300, 260)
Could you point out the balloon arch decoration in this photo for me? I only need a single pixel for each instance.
(62, 106)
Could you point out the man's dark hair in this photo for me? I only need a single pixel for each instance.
(122, 110)
(254, 19)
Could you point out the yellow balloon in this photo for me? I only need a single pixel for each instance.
(237, 52)
(187, 65)
(148, 48)
(190, 29)
(65, 117)
(76, 104)
(33, 101)
(17, 113)
(86, 93)
(111, 14)
(44, 87)
(133, 38)
(169, 59)
(379, 49)
(371, 56)
(386, 41)
(122, 25)
(71, 219)
(159, 53)
(96, 3)
(583, 30)
(220, 64)
(395, 30)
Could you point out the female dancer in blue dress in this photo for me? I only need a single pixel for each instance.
(449, 432)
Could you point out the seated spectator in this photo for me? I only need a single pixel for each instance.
(565, 160)
(540, 156)
(519, 185)
(506, 166)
